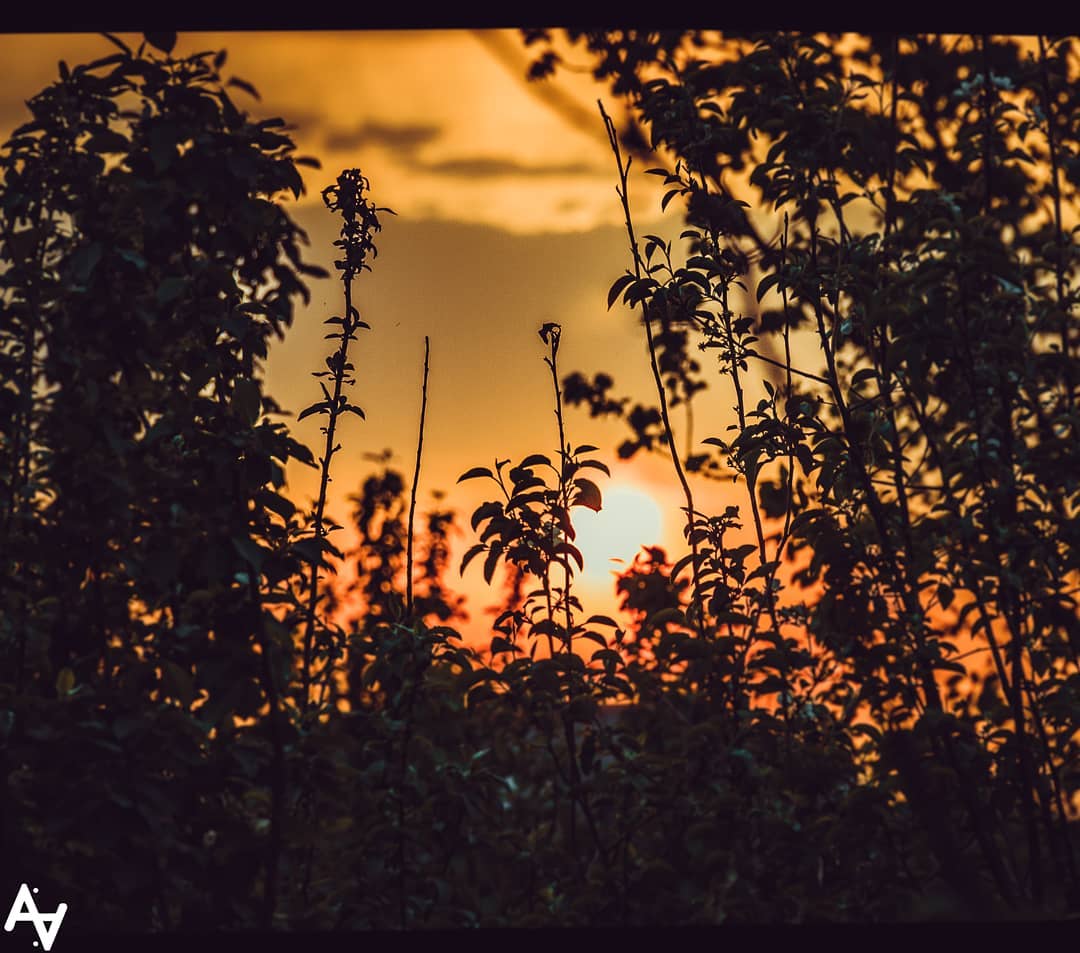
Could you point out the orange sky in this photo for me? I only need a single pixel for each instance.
(507, 218)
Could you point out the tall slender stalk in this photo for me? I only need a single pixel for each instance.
(361, 222)
(550, 334)
(788, 394)
(412, 492)
(552, 337)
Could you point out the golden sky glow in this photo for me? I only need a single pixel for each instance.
(507, 218)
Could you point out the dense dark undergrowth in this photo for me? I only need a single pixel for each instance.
(853, 699)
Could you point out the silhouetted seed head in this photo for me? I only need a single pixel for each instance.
(361, 220)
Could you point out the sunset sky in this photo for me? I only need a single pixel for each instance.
(507, 218)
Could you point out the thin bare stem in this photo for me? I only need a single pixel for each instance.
(415, 484)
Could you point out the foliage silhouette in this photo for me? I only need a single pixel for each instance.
(918, 190)
(147, 266)
(360, 223)
(853, 699)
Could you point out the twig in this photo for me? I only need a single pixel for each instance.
(415, 484)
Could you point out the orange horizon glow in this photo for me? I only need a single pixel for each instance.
(506, 218)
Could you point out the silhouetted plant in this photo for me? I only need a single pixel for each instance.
(916, 187)
(793, 725)
(360, 223)
(147, 264)
(532, 529)
(378, 564)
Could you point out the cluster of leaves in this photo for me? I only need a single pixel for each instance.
(921, 192)
(503, 791)
(147, 263)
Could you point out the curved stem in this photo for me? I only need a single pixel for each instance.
(665, 418)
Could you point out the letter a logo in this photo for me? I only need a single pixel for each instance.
(23, 909)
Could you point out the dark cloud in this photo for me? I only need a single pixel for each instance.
(407, 137)
(492, 168)
(305, 121)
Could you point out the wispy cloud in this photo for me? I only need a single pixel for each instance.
(405, 137)
(407, 140)
(487, 167)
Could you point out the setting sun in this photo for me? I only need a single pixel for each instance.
(629, 519)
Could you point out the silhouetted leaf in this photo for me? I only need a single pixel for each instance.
(595, 464)
(475, 472)
(588, 494)
(617, 288)
(486, 511)
(108, 141)
(533, 460)
(491, 560)
(247, 400)
(244, 85)
(568, 549)
(285, 508)
(161, 40)
(250, 551)
(470, 554)
(945, 595)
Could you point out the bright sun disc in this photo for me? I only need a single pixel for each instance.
(628, 520)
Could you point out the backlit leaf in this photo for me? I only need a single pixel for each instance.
(588, 494)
